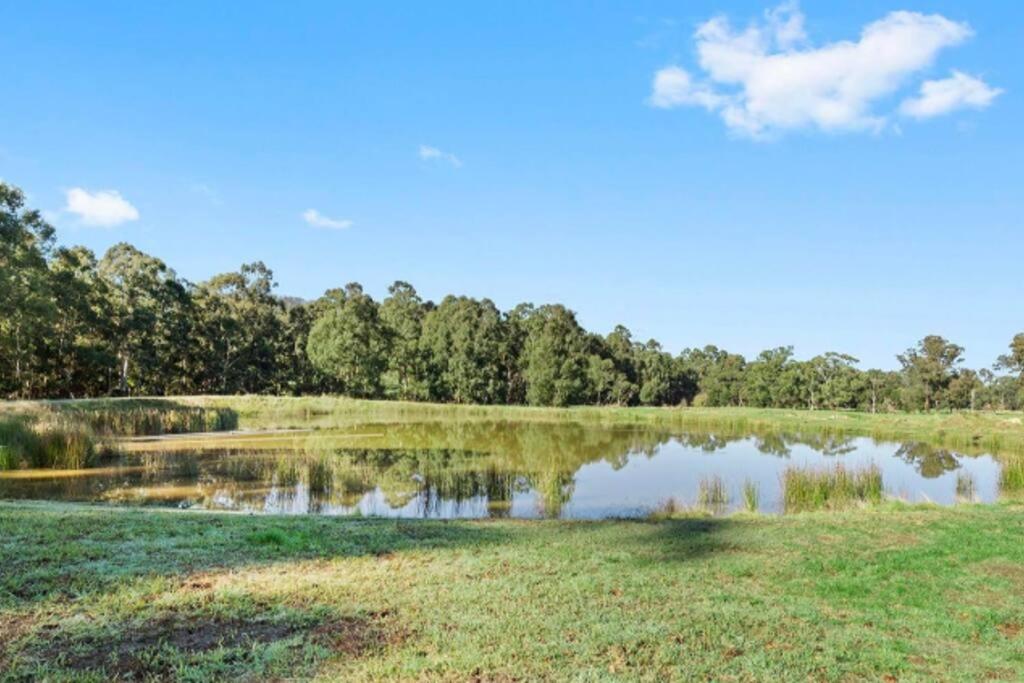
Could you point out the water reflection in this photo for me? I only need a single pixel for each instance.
(497, 469)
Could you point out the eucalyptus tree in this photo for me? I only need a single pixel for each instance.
(79, 345)
(147, 305)
(465, 343)
(928, 369)
(240, 330)
(26, 302)
(833, 381)
(881, 390)
(659, 381)
(555, 358)
(625, 380)
(403, 312)
(720, 374)
(350, 343)
(1014, 362)
(763, 377)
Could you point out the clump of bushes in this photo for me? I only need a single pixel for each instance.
(834, 488)
(45, 446)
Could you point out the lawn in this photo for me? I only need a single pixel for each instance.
(890, 592)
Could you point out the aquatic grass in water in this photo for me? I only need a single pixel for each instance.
(286, 472)
(151, 420)
(711, 493)
(751, 496)
(68, 449)
(806, 489)
(1011, 476)
(45, 446)
(320, 476)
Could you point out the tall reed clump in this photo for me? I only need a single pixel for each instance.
(711, 493)
(751, 496)
(45, 446)
(1011, 476)
(834, 488)
(154, 420)
(320, 476)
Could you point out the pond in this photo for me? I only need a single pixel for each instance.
(466, 469)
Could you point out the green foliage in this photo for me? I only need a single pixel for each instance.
(127, 325)
(350, 343)
(467, 344)
(555, 358)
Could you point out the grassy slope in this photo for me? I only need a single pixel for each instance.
(914, 593)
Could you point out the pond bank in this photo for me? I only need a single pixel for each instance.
(908, 592)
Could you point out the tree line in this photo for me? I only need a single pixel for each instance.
(74, 325)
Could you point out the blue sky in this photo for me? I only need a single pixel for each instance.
(516, 151)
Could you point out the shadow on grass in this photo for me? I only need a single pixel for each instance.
(683, 539)
(66, 551)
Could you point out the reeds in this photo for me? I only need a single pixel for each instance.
(751, 496)
(1011, 476)
(833, 488)
(151, 420)
(712, 494)
(45, 446)
(320, 474)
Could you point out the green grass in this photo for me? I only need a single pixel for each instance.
(894, 592)
(833, 488)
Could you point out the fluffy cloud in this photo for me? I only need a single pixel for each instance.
(318, 220)
(959, 91)
(428, 153)
(767, 78)
(105, 208)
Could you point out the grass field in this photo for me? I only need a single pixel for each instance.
(889, 593)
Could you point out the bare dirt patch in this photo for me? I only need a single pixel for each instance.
(131, 658)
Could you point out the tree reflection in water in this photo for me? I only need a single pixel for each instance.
(427, 469)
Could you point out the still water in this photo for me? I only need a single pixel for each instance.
(482, 469)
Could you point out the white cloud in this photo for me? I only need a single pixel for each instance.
(949, 94)
(318, 220)
(428, 153)
(673, 87)
(766, 78)
(105, 208)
